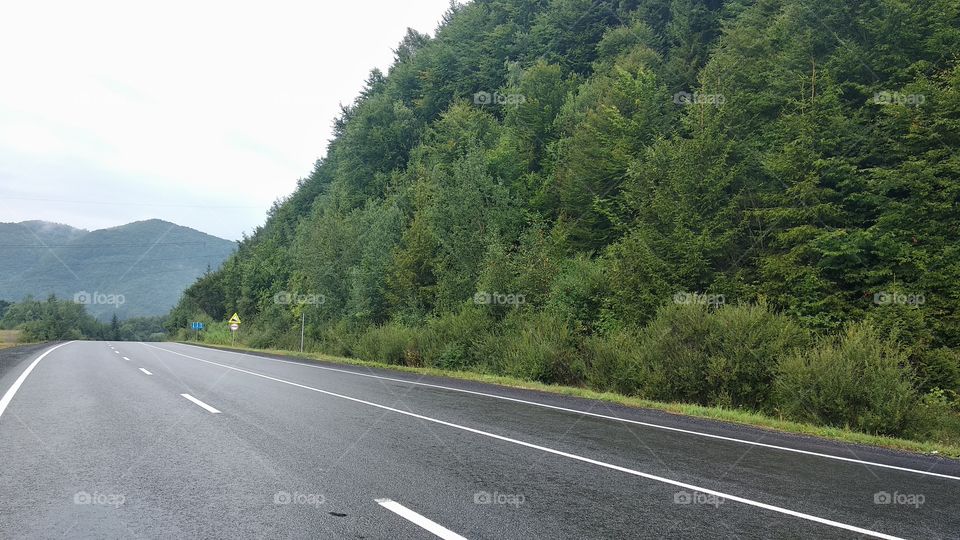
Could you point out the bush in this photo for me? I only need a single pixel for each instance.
(336, 339)
(453, 341)
(540, 347)
(611, 362)
(726, 357)
(860, 381)
(939, 369)
(388, 343)
(577, 291)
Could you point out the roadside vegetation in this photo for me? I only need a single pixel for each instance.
(55, 319)
(744, 205)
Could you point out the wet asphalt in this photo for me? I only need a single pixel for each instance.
(91, 446)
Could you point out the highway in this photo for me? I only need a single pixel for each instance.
(151, 440)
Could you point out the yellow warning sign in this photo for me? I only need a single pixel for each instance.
(235, 319)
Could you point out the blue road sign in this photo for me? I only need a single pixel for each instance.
(197, 326)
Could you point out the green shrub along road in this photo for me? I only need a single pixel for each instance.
(737, 363)
(751, 205)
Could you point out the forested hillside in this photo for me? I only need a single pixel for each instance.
(739, 203)
(137, 269)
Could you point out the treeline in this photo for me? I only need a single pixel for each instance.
(56, 320)
(593, 192)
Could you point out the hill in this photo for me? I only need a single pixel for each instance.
(138, 269)
(735, 203)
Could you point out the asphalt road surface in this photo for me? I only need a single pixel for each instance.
(128, 440)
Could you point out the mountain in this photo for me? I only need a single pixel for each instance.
(724, 202)
(137, 269)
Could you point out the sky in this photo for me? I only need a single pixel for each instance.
(199, 113)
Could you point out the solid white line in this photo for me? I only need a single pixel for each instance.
(200, 403)
(145, 371)
(410, 515)
(561, 453)
(5, 400)
(125, 358)
(604, 416)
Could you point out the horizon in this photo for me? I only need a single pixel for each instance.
(207, 131)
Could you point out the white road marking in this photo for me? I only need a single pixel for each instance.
(561, 453)
(5, 400)
(116, 351)
(200, 403)
(145, 371)
(125, 358)
(413, 517)
(604, 416)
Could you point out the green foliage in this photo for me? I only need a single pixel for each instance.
(860, 380)
(57, 320)
(726, 357)
(594, 192)
(539, 348)
(389, 344)
(452, 341)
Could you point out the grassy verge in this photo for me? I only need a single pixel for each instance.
(736, 416)
(9, 338)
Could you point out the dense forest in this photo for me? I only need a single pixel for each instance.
(737, 203)
(56, 320)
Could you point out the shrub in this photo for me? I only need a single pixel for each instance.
(577, 291)
(611, 362)
(540, 347)
(744, 345)
(859, 380)
(453, 341)
(939, 369)
(724, 357)
(388, 343)
(336, 340)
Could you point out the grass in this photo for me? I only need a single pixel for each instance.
(736, 416)
(9, 338)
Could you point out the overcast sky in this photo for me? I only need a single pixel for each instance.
(201, 113)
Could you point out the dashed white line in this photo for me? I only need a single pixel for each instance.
(598, 415)
(413, 517)
(145, 371)
(201, 404)
(576, 457)
(5, 400)
(116, 351)
(125, 358)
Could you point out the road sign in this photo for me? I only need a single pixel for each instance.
(234, 320)
(234, 327)
(197, 326)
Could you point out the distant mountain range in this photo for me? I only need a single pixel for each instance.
(133, 270)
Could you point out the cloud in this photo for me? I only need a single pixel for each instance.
(112, 111)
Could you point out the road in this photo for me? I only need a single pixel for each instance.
(148, 440)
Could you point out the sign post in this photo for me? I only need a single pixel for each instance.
(197, 326)
(234, 326)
